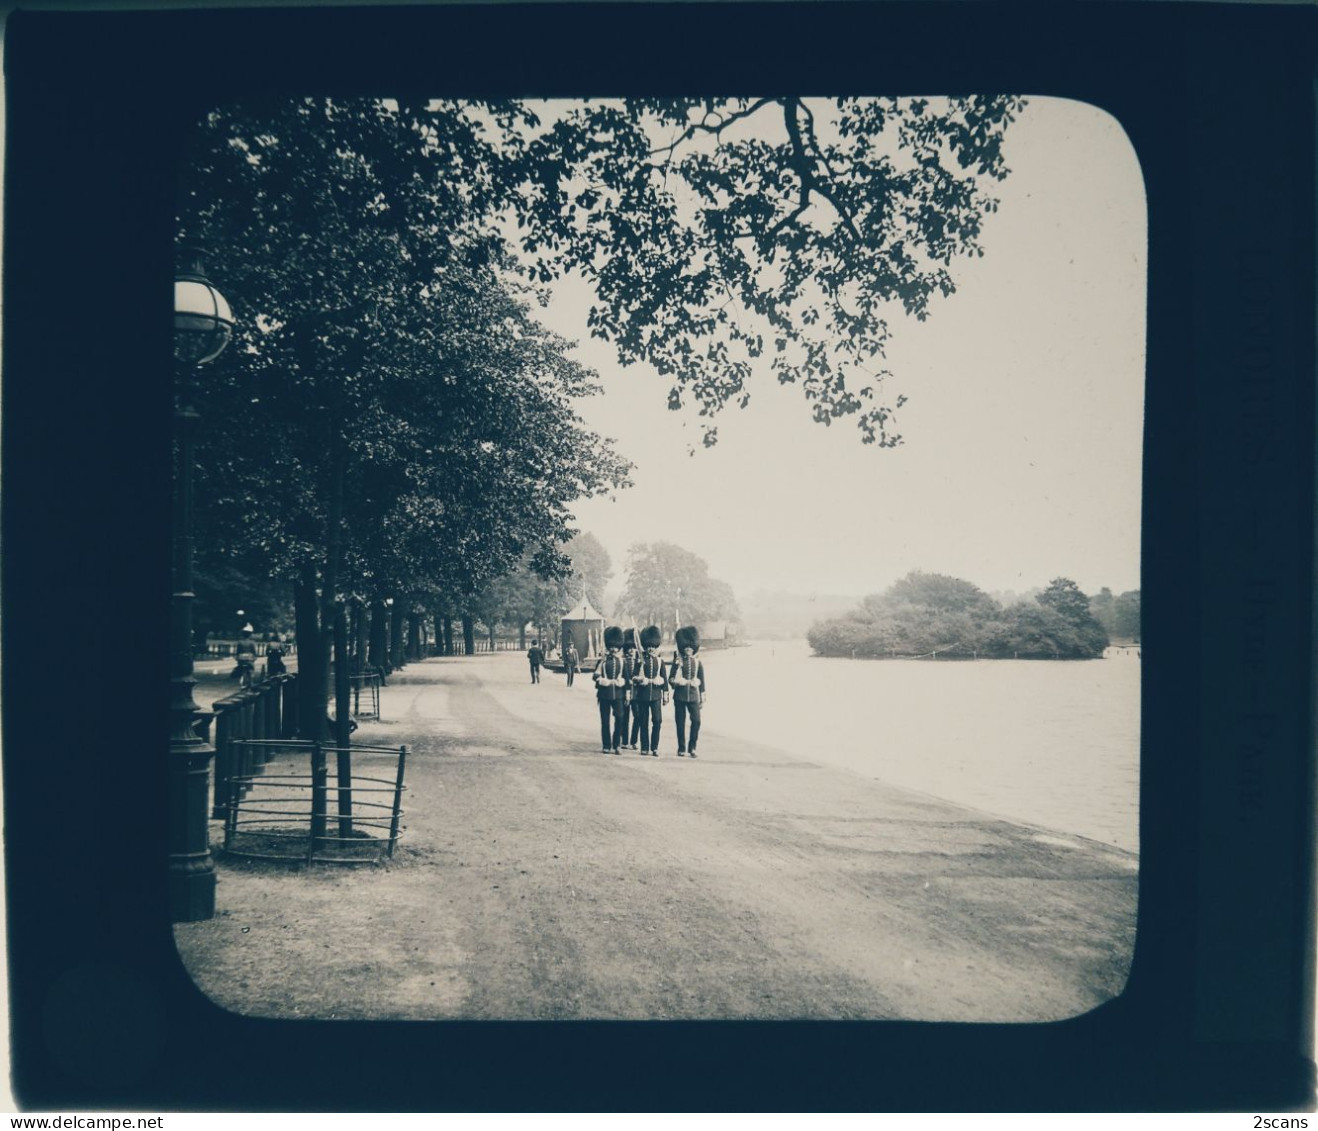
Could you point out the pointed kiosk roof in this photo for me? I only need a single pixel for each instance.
(582, 610)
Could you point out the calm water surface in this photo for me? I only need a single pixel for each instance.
(1049, 743)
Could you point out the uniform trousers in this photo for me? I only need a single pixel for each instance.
(626, 722)
(680, 714)
(647, 717)
(611, 726)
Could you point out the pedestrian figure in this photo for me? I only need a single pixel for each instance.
(688, 680)
(630, 663)
(610, 691)
(570, 661)
(245, 655)
(537, 658)
(274, 659)
(651, 683)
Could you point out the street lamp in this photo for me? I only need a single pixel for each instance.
(203, 325)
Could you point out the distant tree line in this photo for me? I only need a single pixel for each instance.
(930, 614)
(1119, 615)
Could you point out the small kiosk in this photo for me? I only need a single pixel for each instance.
(584, 627)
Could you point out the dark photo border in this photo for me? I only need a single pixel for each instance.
(1218, 102)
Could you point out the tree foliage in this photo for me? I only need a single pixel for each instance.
(666, 582)
(390, 417)
(1120, 616)
(927, 614)
(720, 231)
(591, 569)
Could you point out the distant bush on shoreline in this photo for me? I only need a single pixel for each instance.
(930, 614)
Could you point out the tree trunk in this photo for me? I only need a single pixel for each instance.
(521, 636)
(313, 706)
(333, 617)
(342, 718)
(361, 624)
(378, 656)
(396, 657)
(468, 634)
(489, 633)
(413, 636)
(446, 629)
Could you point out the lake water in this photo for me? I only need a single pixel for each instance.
(1046, 742)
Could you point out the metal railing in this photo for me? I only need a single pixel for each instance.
(281, 810)
(264, 711)
(365, 686)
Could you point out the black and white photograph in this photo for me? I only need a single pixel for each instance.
(745, 575)
(706, 534)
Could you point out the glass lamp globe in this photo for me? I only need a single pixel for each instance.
(203, 322)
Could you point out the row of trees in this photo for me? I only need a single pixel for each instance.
(925, 614)
(665, 585)
(393, 423)
(392, 429)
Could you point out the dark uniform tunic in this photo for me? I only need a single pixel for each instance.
(612, 701)
(651, 684)
(686, 699)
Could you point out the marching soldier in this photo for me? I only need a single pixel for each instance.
(651, 683)
(688, 679)
(610, 691)
(630, 662)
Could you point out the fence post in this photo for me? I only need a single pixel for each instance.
(289, 695)
(398, 797)
(319, 797)
(270, 703)
(223, 762)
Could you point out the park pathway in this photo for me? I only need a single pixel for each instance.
(541, 879)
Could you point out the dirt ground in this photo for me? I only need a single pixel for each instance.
(540, 879)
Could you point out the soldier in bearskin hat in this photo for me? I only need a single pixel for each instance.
(630, 660)
(651, 689)
(687, 676)
(610, 690)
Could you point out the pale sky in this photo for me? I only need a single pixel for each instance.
(1022, 431)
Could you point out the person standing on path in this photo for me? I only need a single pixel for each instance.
(651, 683)
(630, 663)
(537, 658)
(688, 680)
(610, 691)
(570, 661)
(245, 657)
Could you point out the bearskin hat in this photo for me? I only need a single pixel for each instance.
(613, 637)
(687, 637)
(629, 640)
(651, 636)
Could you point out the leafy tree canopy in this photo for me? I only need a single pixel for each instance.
(388, 386)
(665, 582)
(715, 232)
(718, 231)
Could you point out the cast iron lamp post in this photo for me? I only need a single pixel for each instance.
(202, 327)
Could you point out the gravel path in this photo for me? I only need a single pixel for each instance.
(541, 879)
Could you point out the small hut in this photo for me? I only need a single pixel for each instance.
(584, 627)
